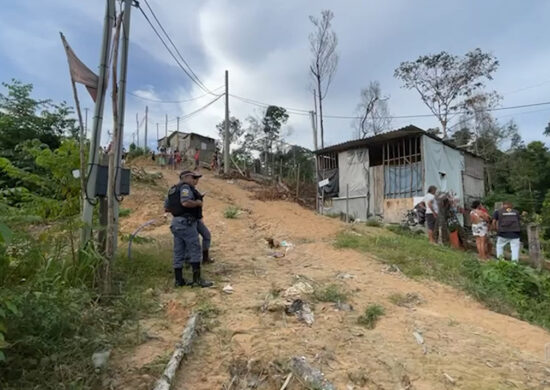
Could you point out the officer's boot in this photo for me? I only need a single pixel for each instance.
(206, 259)
(178, 273)
(197, 280)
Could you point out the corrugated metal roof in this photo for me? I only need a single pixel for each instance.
(387, 136)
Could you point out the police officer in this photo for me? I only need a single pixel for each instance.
(184, 202)
(203, 231)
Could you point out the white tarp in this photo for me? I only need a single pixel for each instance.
(353, 170)
(443, 167)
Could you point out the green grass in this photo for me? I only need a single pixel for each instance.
(124, 212)
(231, 212)
(330, 293)
(61, 319)
(374, 223)
(505, 287)
(371, 316)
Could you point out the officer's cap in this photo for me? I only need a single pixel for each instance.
(189, 173)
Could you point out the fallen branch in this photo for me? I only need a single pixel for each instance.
(182, 348)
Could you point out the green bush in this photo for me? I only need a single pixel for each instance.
(330, 293)
(371, 316)
(231, 212)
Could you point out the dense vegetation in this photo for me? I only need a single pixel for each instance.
(52, 317)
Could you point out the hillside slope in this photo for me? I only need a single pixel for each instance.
(464, 343)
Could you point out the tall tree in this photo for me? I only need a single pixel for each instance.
(444, 80)
(373, 111)
(323, 42)
(235, 129)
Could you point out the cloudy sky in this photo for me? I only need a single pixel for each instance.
(264, 45)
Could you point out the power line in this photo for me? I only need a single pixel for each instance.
(172, 54)
(197, 79)
(173, 101)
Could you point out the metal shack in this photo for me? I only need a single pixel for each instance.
(187, 143)
(387, 174)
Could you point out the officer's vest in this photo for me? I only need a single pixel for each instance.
(175, 206)
(508, 221)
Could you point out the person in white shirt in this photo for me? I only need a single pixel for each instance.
(431, 212)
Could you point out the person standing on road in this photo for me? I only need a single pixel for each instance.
(431, 212)
(197, 159)
(184, 203)
(506, 221)
(203, 230)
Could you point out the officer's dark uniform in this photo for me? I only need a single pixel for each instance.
(184, 229)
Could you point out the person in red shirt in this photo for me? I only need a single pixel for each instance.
(197, 159)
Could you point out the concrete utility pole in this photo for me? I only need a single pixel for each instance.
(146, 120)
(121, 110)
(137, 128)
(95, 139)
(166, 129)
(157, 133)
(178, 118)
(226, 144)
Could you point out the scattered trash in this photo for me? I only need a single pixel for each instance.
(343, 306)
(286, 244)
(277, 255)
(272, 243)
(298, 290)
(100, 359)
(310, 375)
(449, 378)
(302, 311)
(230, 182)
(345, 276)
(418, 337)
(228, 289)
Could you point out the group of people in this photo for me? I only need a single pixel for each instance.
(185, 203)
(174, 158)
(505, 221)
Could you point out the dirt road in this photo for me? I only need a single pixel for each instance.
(465, 345)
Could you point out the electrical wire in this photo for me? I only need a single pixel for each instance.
(171, 53)
(174, 101)
(193, 75)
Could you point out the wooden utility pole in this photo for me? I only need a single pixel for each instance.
(226, 143)
(157, 133)
(86, 123)
(95, 139)
(145, 144)
(535, 253)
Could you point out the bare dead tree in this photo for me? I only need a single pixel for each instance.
(372, 111)
(323, 42)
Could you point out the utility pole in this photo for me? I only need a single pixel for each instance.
(95, 139)
(178, 118)
(86, 122)
(166, 129)
(137, 128)
(134, 138)
(146, 120)
(314, 128)
(157, 133)
(121, 103)
(226, 144)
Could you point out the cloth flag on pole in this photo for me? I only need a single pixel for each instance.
(80, 73)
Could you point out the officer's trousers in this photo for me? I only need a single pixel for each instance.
(187, 246)
(205, 234)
